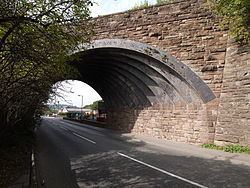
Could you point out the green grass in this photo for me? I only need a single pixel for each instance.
(162, 2)
(228, 148)
(145, 4)
(141, 5)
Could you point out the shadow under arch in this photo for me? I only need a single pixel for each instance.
(132, 75)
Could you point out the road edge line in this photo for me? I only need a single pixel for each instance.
(93, 142)
(163, 171)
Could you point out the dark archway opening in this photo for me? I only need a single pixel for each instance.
(133, 77)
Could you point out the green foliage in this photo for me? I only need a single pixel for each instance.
(62, 114)
(145, 4)
(93, 106)
(228, 148)
(36, 38)
(142, 5)
(236, 17)
(162, 2)
(212, 146)
(236, 149)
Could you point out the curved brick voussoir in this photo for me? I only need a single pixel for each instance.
(129, 73)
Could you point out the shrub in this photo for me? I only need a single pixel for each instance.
(162, 2)
(228, 148)
(235, 16)
(141, 5)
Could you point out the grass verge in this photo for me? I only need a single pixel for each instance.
(228, 148)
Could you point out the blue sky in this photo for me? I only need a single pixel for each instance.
(101, 7)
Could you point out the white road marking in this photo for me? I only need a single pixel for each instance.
(84, 138)
(163, 171)
(64, 128)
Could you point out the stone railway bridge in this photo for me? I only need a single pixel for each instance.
(169, 71)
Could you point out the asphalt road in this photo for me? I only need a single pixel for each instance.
(69, 154)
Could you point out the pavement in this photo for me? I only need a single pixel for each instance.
(71, 154)
(184, 149)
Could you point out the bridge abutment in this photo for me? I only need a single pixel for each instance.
(190, 33)
(191, 123)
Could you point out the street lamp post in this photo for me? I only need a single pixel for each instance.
(58, 107)
(81, 105)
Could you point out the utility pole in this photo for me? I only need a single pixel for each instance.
(58, 107)
(81, 105)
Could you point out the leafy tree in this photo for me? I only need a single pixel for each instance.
(236, 16)
(93, 106)
(36, 37)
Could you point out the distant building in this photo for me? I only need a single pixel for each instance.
(63, 110)
(102, 111)
(78, 113)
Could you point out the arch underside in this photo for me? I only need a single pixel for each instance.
(131, 74)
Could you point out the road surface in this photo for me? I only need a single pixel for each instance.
(69, 154)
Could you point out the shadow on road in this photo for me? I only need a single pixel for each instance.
(72, 164)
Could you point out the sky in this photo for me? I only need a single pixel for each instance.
(103, 7)
(71, 89)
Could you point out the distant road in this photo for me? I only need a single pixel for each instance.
(70, 154)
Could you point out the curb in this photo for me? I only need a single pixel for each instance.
(32, 179)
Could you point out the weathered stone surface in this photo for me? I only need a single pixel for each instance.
(233, 125)
(180, 123)
(188, 31)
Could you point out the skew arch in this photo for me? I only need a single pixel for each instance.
(131, 74)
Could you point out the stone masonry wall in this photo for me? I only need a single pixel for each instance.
(188, 31)
(185, 123)
(233, 125)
